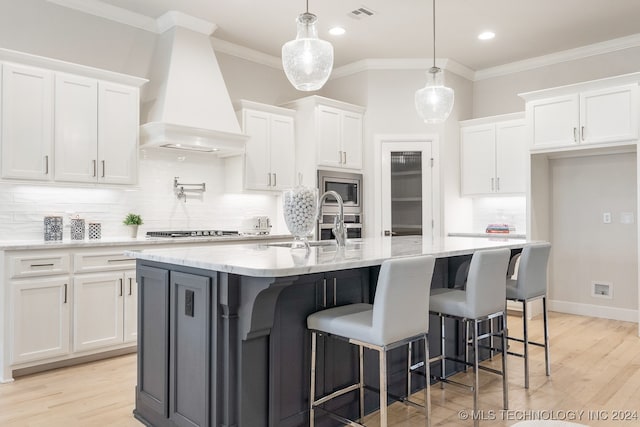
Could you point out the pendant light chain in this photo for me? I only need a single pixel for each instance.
(434, 33)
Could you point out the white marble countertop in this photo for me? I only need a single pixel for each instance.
(491, 235)
(274, 260)
(15, 245)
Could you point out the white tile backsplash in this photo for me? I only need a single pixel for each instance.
(507, 210)
(24, 206)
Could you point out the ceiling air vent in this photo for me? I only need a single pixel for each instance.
(361, 12)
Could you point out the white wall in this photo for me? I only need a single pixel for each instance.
(499, 95)
(584, 248)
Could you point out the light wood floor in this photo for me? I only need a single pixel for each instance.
(595, 367)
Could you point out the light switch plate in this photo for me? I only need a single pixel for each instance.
(606, 217)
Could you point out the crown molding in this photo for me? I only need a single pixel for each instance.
(401, 64)
(112, 13)
(559, 57)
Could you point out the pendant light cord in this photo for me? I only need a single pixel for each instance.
(307, 6)
(434, 33)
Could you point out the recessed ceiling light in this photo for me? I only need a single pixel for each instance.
(337, 31)
(486, 35)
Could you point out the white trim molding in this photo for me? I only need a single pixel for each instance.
(559, 57)
(401, 64)
(592, 310)
(113, 13)
(249, 54)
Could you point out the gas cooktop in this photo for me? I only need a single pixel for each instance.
(192, 233)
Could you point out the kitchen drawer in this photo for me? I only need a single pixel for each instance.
(44, 264)
(102, 261)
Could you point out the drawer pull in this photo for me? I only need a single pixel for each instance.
(335, 291)
(42, 265)
(324, 293)
(65, 293)
(119, 260)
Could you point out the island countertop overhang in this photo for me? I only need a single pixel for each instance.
(268, 260)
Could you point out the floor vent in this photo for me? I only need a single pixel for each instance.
(361, 12)
(601, 290)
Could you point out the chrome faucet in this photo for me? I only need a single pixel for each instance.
(339, 229)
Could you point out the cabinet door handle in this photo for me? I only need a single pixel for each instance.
(335, 291)
(130, 285)
(582, 133)
(119, 259)
(65, 294)
(120, 287)
(95, 168)
(46, 165)
(492, 185)
(498, 184)
(324, 293)
(103, 169)
(50, 264)
(269, 180)
(275, 180)
(575, 138)
(345, 158)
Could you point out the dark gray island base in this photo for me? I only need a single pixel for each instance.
(220, 348)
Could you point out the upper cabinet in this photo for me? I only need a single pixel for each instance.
(493, 156)
(27, 122)
(328, 135)
(68, 127)
(269, 160)
(601, 112)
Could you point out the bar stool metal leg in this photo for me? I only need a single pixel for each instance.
(547, 359)
(383, 388)
(443, 373)
(312, 390)
(409, 362)
(427, 385)
(361, 357)
(525, 328)
(476, 374)
(505, 387)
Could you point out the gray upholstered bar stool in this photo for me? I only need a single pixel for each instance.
(531, 284)
(482, 300)
(398, 316)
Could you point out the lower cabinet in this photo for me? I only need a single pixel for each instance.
(104, 309)
(41, 318)
(174, 369)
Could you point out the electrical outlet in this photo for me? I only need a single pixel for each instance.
(606, 217)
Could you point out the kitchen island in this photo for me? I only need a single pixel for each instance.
(222, 330)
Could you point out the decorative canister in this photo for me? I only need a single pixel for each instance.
(77, 229)
(95, 230)
(300, 207)
(52, 228)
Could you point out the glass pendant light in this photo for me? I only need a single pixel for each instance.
(434, 102)
(307, 60)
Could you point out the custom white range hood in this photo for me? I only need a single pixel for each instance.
(188, 105)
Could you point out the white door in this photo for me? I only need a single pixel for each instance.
(511, 157)
(76, 128)
(352, 140)
(407, 188)
(609, 115)
(554, 121)
(98, 305)
(41, 316)
(282, 152)
(478, 160)
(118, 122)
(256, 159)
(130, 307)
(329, 136)
(27, 122)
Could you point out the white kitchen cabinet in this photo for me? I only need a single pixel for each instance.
(603, 115)
(27, 122)
(339, 138)
(130, 307)
(96, 131)
(493, 156)
(269, 160)
(76, 128)
(118, 122)
(329, 134)
(98, 310)
(40, 317)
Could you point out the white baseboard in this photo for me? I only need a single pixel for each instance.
(592, 310)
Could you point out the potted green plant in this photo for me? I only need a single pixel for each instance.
(133, 221)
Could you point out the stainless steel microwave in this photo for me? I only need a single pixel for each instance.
(347, 185)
